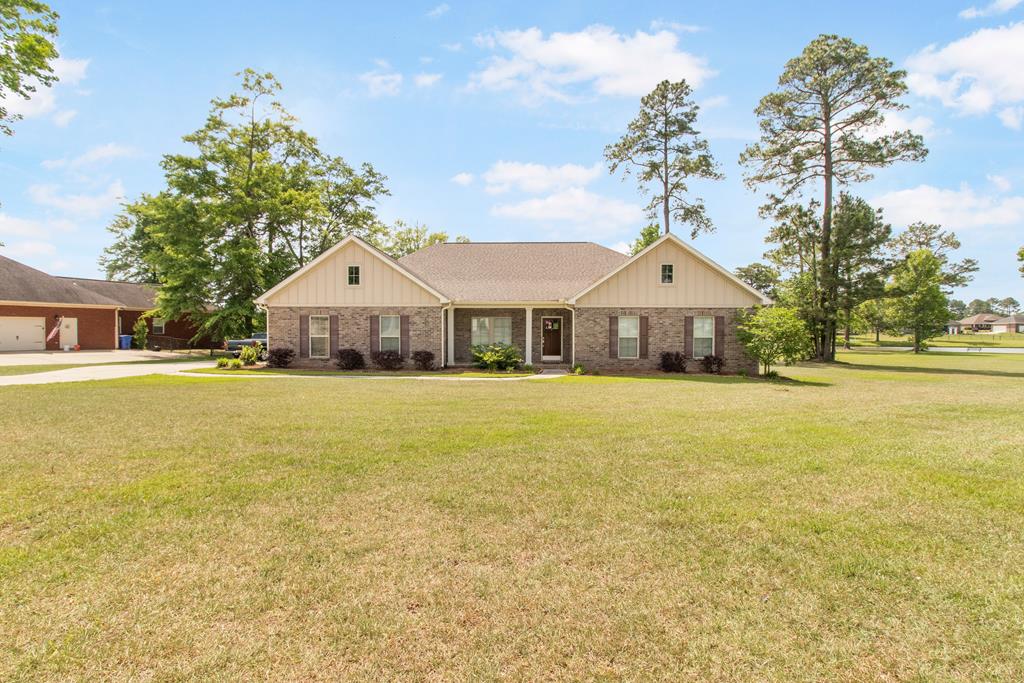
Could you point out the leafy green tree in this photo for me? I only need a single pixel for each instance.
(403, 239)
(941, 243)
(1009, 305)
(957, 309)
(648, 236)
(978, 306)
(773, 333)
(918, 303)
(28, 30)
(858, 257)
(822, 127)
(875, 314)
(256, 200)
(1020, 258)
(663, 147)
(762, 277)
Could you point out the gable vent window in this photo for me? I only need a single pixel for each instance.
(667, 273)
(353, 276)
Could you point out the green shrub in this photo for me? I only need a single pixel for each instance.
(673, 361)
(140, 331)
(527, 368)
(234, 364)
(350, 359)
(249, 355)
(222, 362)
(712, 364)
(387, 360)
(578, 369)
(280, 357)
(497, 356)
(424, 360)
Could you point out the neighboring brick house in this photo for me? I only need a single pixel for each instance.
(91, 313)
(561, 303)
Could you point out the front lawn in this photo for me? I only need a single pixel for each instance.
(860, 521)
(1002, 339)
(43, 367)
(370, 372)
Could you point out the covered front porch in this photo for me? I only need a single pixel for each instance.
(542, 333)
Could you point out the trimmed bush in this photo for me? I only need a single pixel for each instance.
(234, 364)
(350, 359)
(578, 369)
(387, 360)
(280, 357)
(712, 364)
(222, 362)
(673, 361)
(249, 355)
(496, 356)
(140, 331)
(424, 360)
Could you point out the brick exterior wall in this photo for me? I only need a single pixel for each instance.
(464, 330)
(96, 326)
(354, 329)
(665, 333)
(178, 329)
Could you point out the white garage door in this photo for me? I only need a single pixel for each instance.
(22, 334)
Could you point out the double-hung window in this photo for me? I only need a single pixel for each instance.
(319, 336)
(353, 276)
(390, 333)
(703, 337)
(629, 336)
(491, 331)
(668, 274)
(158, 325)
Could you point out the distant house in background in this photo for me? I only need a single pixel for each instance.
(954, 327)
(90, 313)
(1011, 323)
(982, 322)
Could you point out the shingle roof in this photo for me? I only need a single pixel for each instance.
(19, 282)
(127, 294)
(980, 319)
(1015, 319)
(512, 271)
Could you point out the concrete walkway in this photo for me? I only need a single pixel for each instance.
(102, 372)
(99, 372)
(8, 358)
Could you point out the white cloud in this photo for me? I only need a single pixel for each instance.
(897, 121)
(78, 205)
(662, 25)
(462, 178)
(993, 8)
(426, 80)
(382, 81)
(29, 249)
(44, 100)
(62, 118)
(974, 74)
(1012, 117)
(24, 227)
(1002, 183)
(621, 247)
(715, 101)
(560, 65)
(96, 155)
(599, 215)
(439, 10)
(503, 176)
(961, 209)
(452, 47)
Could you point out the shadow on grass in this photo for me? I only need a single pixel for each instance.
(910, 369)
(718, 379)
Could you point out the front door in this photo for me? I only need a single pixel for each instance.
(68, 332)
(552, 339)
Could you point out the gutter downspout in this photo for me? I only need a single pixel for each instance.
(572, 355)
(444, 341)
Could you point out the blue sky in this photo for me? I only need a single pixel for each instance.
(491, 121)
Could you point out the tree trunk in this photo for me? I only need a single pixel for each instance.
(917, 341)
(665, 178)
(846, 334)
(828, 331)
(878, 335)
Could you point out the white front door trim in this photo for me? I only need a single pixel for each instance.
(561, 338)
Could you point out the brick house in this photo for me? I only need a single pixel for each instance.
(560, 303)
(90, 313)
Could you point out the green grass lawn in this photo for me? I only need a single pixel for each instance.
(1006, 339)
(305, 372)
(861, 521)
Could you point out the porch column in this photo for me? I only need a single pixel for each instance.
(451, 335)
(529, 336)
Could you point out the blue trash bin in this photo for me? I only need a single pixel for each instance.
(126, 341)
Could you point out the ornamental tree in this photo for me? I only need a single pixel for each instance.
(773, 333)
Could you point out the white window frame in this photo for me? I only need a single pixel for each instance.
(158, 325)
(695, 337)
(381, 337)
(490, 328)
(359, 275)
(620, 337)
(325, 337)
(661, 274)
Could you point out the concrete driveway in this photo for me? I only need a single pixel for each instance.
(80, 357)
(100, 372)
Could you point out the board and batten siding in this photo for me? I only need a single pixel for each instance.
(696, 284)
(326, 284)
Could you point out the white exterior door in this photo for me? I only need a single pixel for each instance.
(68, 332)
(22, 334)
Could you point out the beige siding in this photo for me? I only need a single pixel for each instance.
(326, 284)
(696, 284)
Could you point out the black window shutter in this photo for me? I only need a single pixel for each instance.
(720, 335)
(303, 336)
(613, 336)
(688, 337)
(334, 336)
(374, 333)
(643, 336)
(403, 340)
